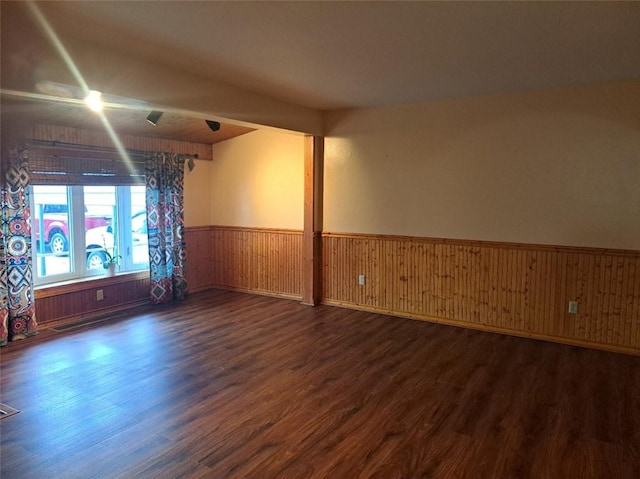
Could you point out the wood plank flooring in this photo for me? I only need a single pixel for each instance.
(229, 385)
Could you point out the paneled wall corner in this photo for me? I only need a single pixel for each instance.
(257, 260)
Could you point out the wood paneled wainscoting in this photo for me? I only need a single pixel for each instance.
(523, 290)
(73, 301)
(263, 261)
(256, 260)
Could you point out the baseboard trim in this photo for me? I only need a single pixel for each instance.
(293, 297)
(490, 329)
(200, 288)
(98, 313)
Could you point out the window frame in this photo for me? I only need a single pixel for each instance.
(123, 236)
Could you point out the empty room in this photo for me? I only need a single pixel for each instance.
(320, 239)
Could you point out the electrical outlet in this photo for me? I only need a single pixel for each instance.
(361, 280)
(573, 307)
(99, 295)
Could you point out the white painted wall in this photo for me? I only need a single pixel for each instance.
(197, 194)
(257, 180)
(558, 167)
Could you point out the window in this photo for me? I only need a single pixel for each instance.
(76, 228)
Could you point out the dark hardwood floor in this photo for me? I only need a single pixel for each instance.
(228, 385)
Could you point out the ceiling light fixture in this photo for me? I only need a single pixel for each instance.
(213, 125)
(154, 117)
(94, 100)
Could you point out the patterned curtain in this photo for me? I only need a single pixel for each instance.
(17, 306)
(165, 223)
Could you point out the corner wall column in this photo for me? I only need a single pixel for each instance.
(312, 235)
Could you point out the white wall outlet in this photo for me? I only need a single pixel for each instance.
(361, 280)
(99, 295)
(573, 307)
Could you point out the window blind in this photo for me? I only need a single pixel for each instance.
(53, 163)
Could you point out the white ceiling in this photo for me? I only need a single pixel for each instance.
(328, 55)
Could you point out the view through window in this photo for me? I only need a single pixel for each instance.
(77, 229)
